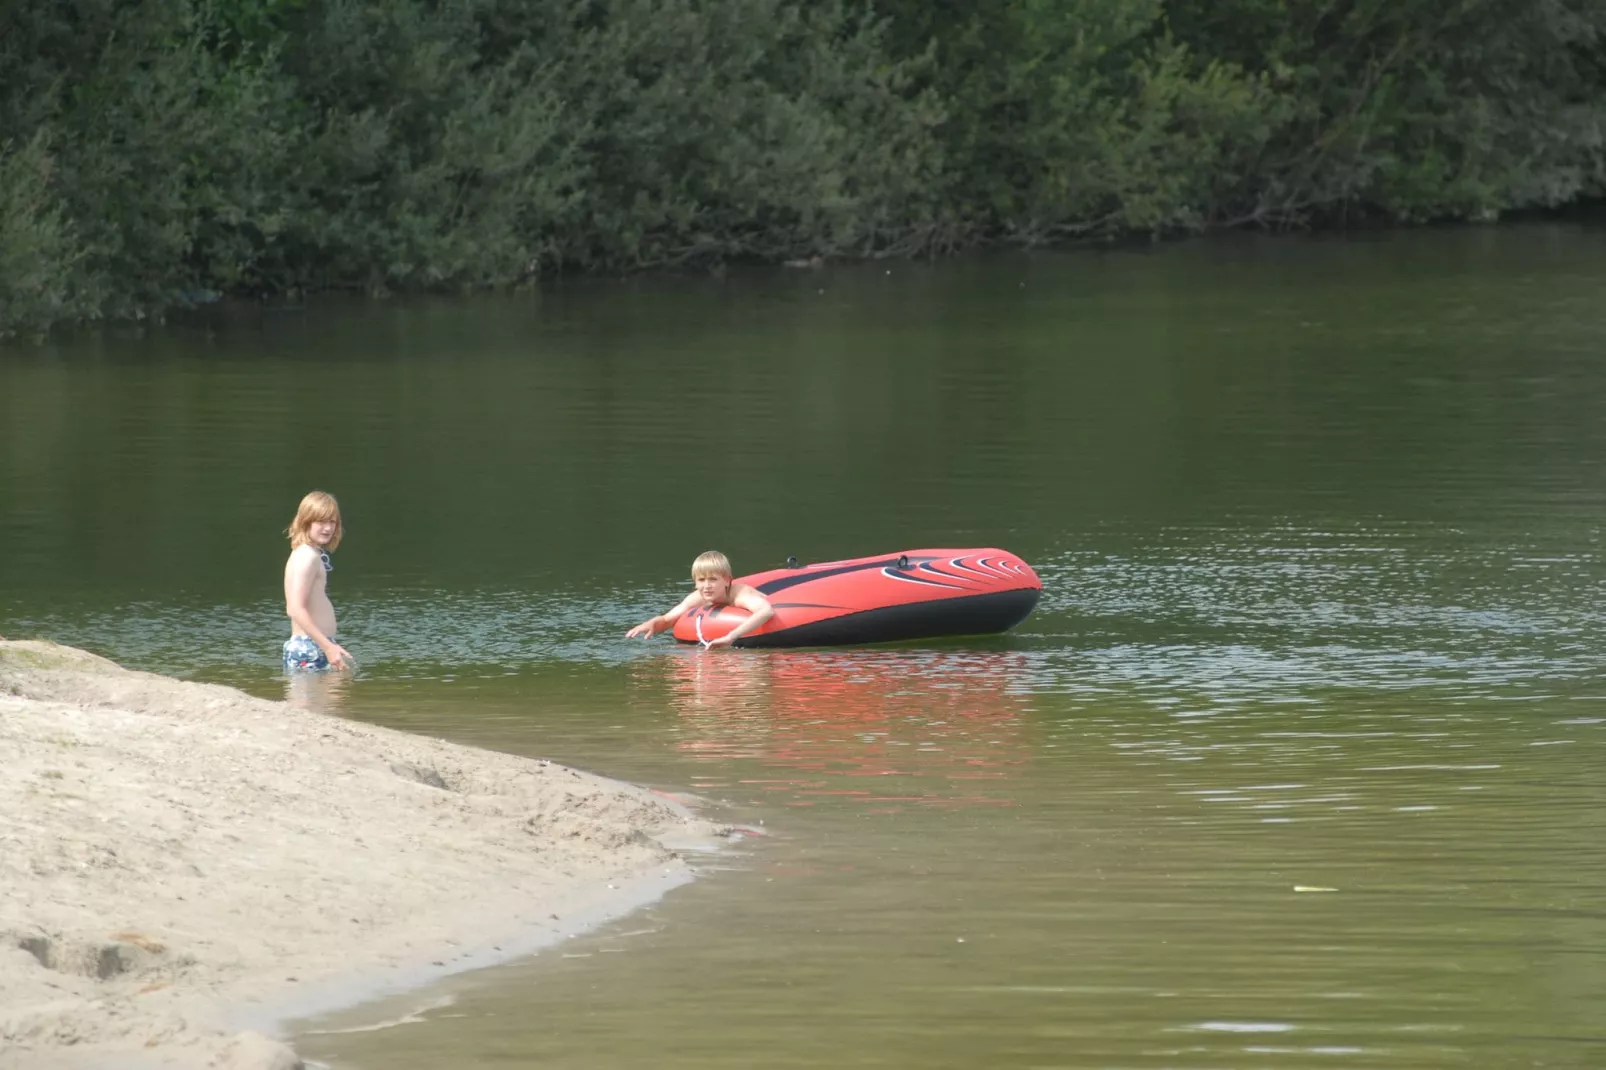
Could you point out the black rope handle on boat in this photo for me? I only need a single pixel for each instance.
(903, 562)
(791, 561)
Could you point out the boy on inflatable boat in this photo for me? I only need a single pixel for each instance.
(711, 572)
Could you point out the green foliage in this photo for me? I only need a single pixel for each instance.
(1079, 117)
(39, 253)
(149, 161)
(1417, 109)
(756, 129)
(478, 143)
(1076, 117)
(421, 163)
(154, 149)
(247, 25)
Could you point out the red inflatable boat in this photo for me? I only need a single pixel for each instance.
(917, 594)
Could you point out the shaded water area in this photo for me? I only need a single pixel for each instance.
(1299, 762)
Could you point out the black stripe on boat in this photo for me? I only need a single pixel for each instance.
(771, 586)
(976, 614)
(895, 574)
(958, 562)
(935, 571)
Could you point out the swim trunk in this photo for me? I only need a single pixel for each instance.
(304, 655)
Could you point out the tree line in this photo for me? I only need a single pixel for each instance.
(156, 152)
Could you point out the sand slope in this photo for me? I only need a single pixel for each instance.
(180, 861)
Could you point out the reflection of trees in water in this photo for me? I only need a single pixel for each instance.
(935, 721)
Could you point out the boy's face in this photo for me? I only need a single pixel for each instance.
(321, 531)
(713, 588)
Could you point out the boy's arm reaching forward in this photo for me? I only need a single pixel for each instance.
(759, 611)
(653, 625)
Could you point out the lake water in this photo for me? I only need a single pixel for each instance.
(1300, 762)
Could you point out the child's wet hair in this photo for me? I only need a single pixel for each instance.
(316, 506)
(711, 563)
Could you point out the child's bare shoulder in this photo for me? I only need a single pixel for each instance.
(303, 556)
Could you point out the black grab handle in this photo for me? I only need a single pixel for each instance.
(903, 562)
(791, 562)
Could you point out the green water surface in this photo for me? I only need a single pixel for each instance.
(1320, 527)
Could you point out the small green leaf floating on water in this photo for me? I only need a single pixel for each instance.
(1312, 888)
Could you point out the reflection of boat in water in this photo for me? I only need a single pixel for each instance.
(934, 720)
(919, 594)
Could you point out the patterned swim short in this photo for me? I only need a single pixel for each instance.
(303, 655)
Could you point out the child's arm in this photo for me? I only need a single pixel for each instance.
(653, 625)
(299, 573)
(759, 611)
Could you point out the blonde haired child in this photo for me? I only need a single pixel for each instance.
(314, 532)
(711, 573)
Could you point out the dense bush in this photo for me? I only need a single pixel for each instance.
(155, 150)
(1417, 109)
(1077, 116)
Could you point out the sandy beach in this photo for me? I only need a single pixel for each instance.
(186, 867)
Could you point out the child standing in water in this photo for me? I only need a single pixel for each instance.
(314, 532)
(711, 572)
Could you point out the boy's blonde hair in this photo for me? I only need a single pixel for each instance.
(712, 563)
(316, 506)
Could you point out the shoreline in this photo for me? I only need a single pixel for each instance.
(189, 868)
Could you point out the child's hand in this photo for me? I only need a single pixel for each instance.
(339, 657)
(723, 640)
(643, 630)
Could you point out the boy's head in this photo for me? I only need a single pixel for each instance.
(711, 572)
(319, 511)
